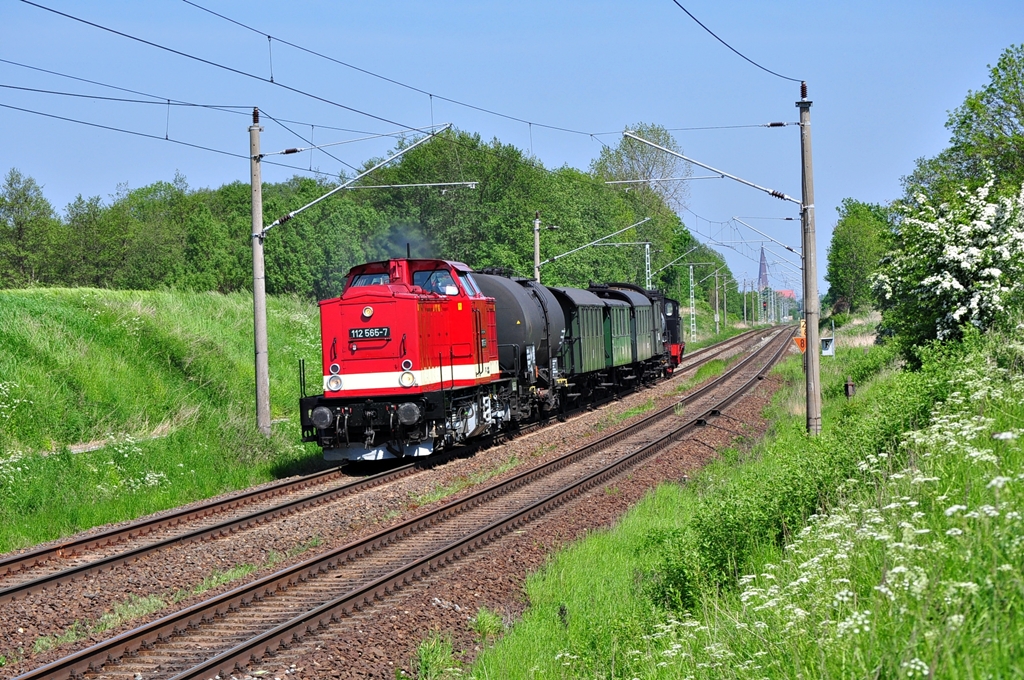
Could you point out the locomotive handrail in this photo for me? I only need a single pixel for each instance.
(515, 357)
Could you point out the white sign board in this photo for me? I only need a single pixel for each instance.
(828, 347)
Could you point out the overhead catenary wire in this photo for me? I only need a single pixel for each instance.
(289, 151)
(772, 192)
(169, 103)
(163, 102)
(215, 64)
(348, 165)
(255, 77)
(433, 95)
(147, 135)
(238, 110)
(399, 83)
(746, 58)
(261, 235)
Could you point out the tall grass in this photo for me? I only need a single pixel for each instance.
(157, 384)
(888, 547)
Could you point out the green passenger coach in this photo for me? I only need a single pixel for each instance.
(584, 348)
(640, 317)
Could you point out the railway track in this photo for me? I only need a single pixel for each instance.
(36, 570)
(281, 606)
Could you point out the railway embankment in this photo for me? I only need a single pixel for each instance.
(889, 546)
(116, 404)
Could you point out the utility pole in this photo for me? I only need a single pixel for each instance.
(536, 247)
(259, 282)
(811, 304)
(744, 299)
(725, 301)
(693, 310)
(717, 329)
(647, 260)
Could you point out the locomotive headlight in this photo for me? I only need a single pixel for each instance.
(322, 417)
(408, 413)
(335, 369)
(406, 379)
(334, 383)
(406, 365)
(367, 311)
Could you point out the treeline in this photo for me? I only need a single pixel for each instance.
(170, 236)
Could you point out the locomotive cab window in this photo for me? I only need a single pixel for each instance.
(435, 281)
(378, 279)
(467, 284)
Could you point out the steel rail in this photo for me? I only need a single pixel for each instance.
(23, 561)
(224, 664)
(177, 622)
(20, 561)
(222, 529)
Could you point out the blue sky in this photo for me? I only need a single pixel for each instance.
(882, 76)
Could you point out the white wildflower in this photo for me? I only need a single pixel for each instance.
(843, 596)
(915, 667)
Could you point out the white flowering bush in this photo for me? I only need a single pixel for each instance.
(950, 265)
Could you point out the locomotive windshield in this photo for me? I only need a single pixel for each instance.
(433, 281)
(370, 280)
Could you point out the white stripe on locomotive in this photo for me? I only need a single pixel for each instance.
(358, 382)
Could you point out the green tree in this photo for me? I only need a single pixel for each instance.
(632, 160)
(29, 232)
(854, 254)
(87, 260)
(987, 136)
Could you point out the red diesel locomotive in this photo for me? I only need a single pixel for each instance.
(422, 354)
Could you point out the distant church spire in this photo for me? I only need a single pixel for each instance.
(762, 276)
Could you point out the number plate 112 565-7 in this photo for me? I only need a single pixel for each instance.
(364, 333)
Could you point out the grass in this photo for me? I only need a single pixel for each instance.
(138, 606)
(829, 557)
(487, 625)
(441, 491)
(153, 392)
(435, 659)
(711, 369)
(634, 411)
